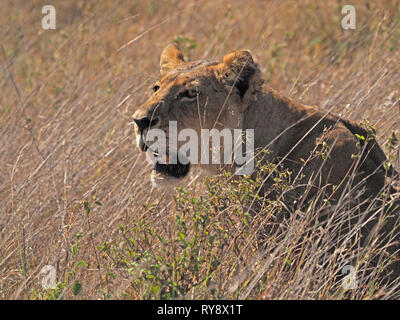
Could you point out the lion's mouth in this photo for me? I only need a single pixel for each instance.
(162, 164)
(178, 170)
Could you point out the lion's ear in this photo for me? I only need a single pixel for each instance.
(238, 69)
(171, 57)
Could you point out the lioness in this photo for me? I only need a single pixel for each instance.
(324, 148)
(231, 95)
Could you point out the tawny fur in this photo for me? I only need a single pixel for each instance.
(230, 94)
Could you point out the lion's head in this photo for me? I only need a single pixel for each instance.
(196, 95)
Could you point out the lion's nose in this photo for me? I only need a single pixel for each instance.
(145, 123)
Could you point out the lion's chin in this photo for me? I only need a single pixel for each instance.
(162, 181)
(165, 174)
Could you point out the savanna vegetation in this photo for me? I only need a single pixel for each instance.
(75, 191)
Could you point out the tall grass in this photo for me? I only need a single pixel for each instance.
(75, 192)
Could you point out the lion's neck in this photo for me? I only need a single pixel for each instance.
(269, 116)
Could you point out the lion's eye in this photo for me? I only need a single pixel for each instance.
(187, 95)
(155, 88)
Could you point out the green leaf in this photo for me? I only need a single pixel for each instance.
(81, 264)
(360, 137)
(76, 288)
(87, 207)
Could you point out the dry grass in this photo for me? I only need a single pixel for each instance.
(75, 192)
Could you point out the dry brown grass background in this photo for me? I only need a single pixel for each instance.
(67, 96)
